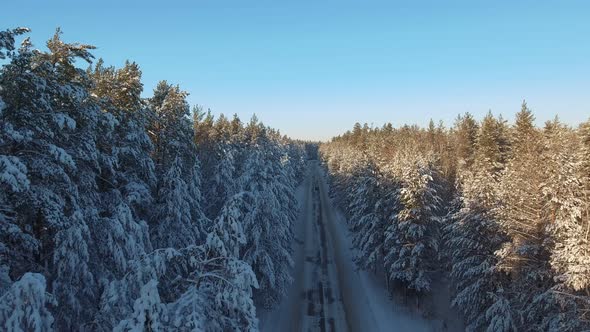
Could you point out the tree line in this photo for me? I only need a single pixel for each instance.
(500, 210)
(125, 213)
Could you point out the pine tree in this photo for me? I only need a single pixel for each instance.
(171, 130)
(149, 314)
(515, 238)
(117, 219)
(269, 225)
(223, 178)
(500, 315)
(7, 41)
(563, 190)
(491, 146)
(85, 162)
(522, 218)
(466, 134)
(412, 240)
(23, 306)
(53, 123)
(174, 226)
(189, 312)
(178, 170)
(232, 293)
(525, 257)
(473, 234)
(368, 218)
(472, 237)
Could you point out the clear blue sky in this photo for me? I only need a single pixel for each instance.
(314, 68)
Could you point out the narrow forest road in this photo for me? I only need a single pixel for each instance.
(327, 293)
(327, 296)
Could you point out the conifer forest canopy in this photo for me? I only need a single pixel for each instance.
(125, 213)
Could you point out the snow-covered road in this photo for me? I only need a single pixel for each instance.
(328, 293)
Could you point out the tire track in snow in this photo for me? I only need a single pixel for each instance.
(324, 296)
(351, 294)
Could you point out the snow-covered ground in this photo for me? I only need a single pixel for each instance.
(329, 293)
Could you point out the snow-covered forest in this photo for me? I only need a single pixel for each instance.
(121, 212)
(499, 210)
(125, 213)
